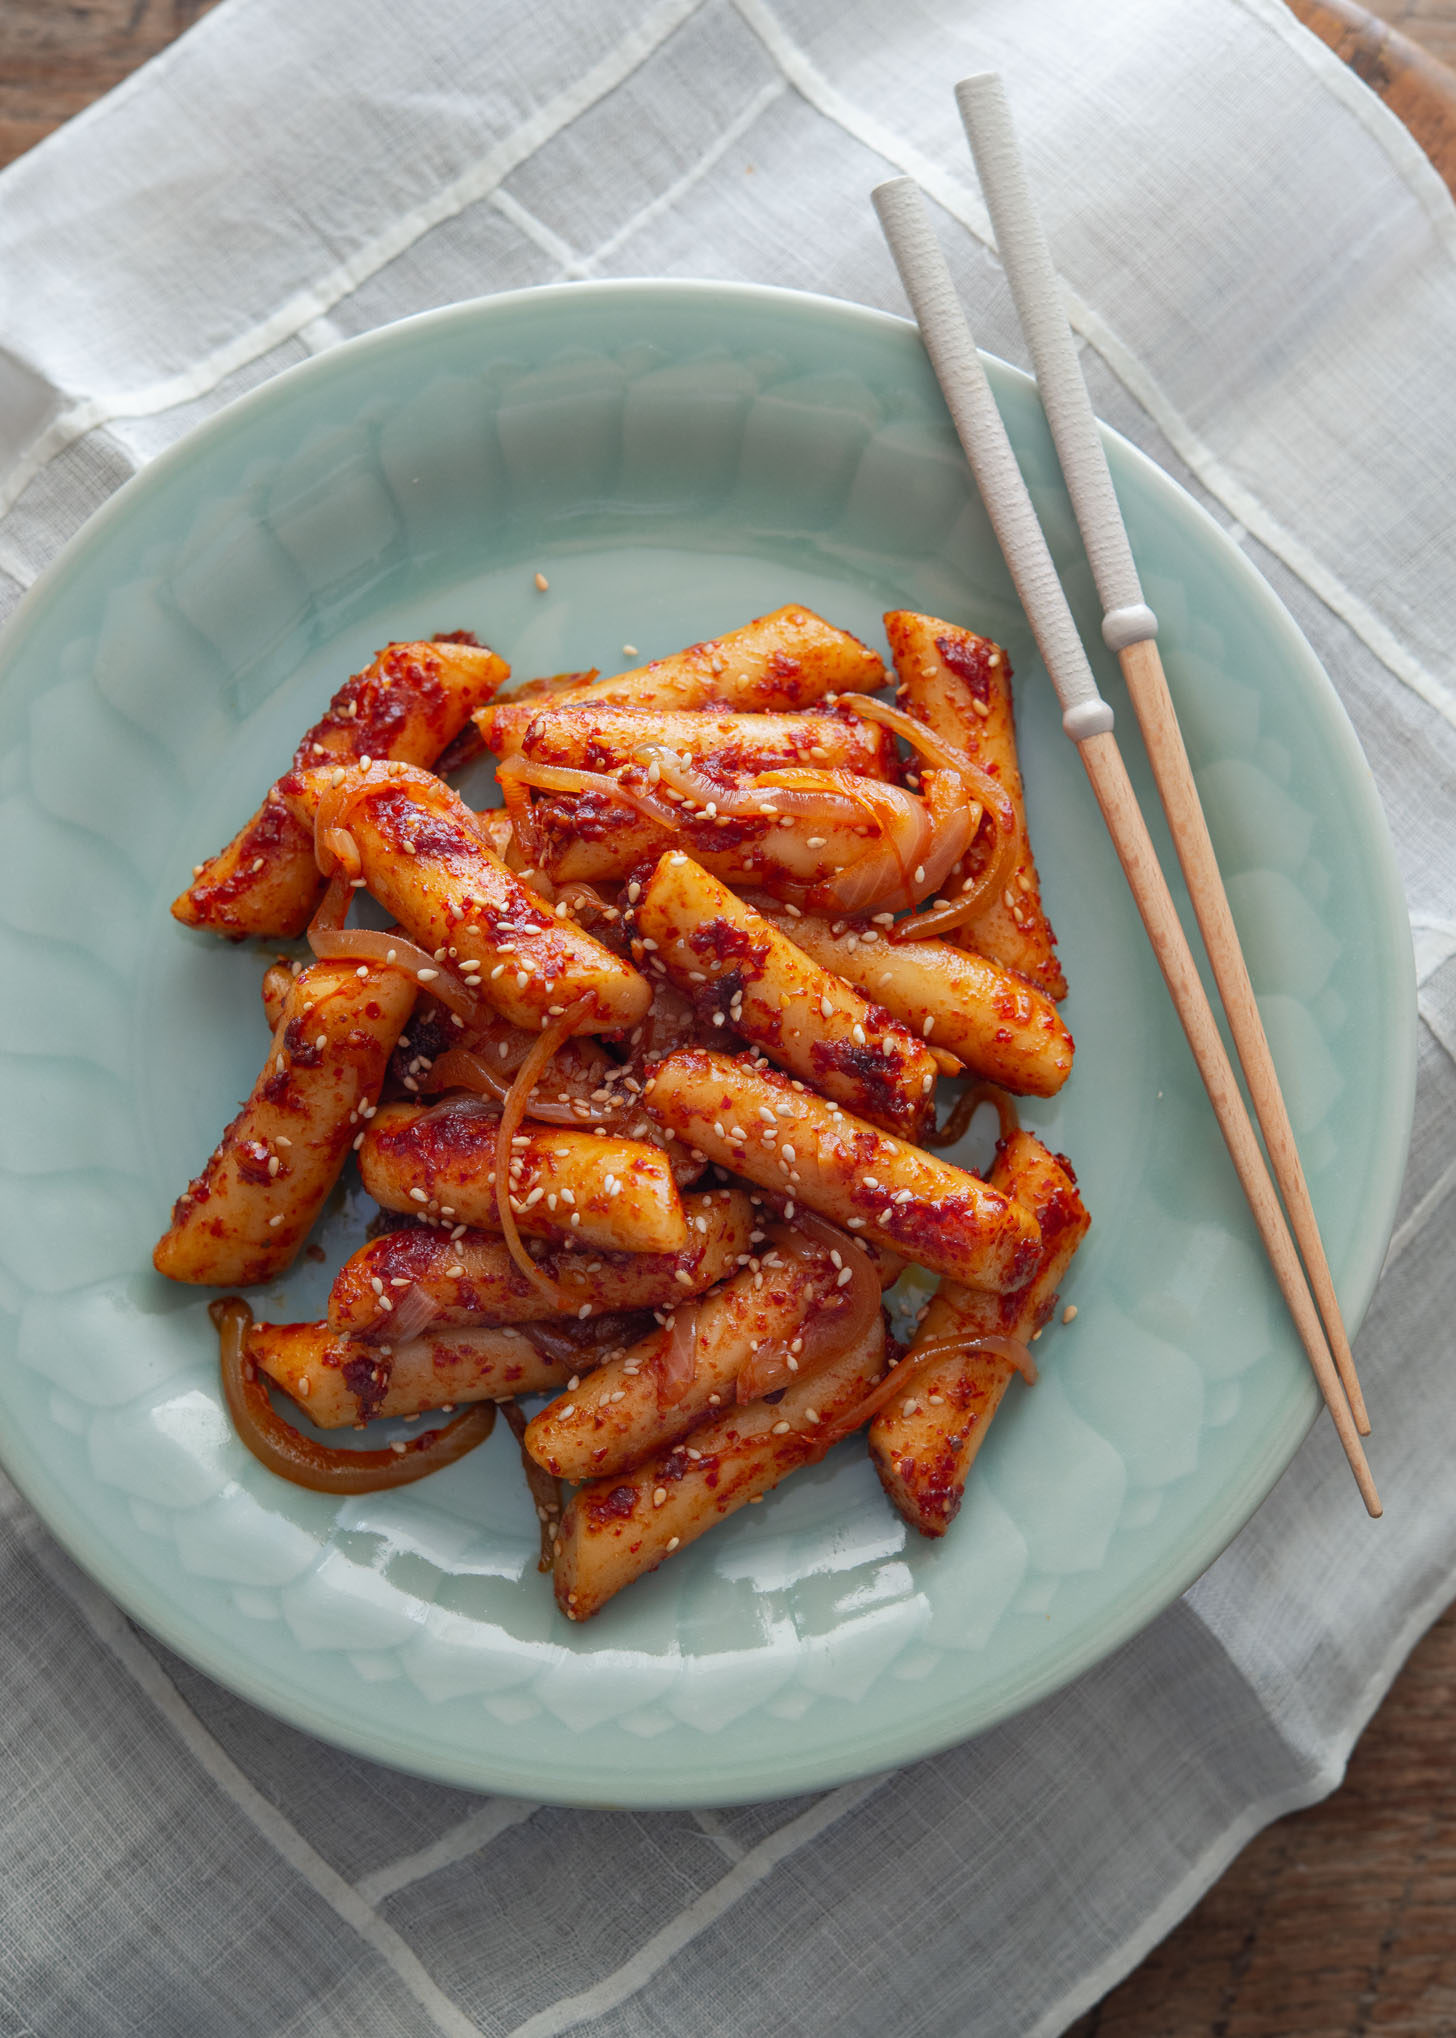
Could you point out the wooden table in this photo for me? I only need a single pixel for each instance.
(1337, 1922)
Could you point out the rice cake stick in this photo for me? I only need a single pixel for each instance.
(618, 1194)
(746, 1116)
(923, 1443)
(425, 860)
(959, 684)
(603, 736)
(619, 1527)
(780, 662)
(769, 990)
(408, 704)
(340, 1382)
(471, 1278)
(617, 1416)
(995, 1022)
(245, 1217)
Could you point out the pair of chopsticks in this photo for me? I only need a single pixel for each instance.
(1129, 628)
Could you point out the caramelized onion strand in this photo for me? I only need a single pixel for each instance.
(512, 1113)
(293, 1456)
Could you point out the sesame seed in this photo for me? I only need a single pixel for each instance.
(659, 1496)
(929, 1027)
(1069, 1312)
(584, 1312)
(673, 1543)
(542, 583)
(426, 976)
(419, 1196)
(780, 1429)
(255, 866)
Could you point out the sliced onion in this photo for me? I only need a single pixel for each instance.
(583, 899)
(414, 1311)
(994, 799)
(987, 788)
(954, 820)
(512, 1113)
(1009, 1349)
(901, 1377)
(461, 1068)
(337, 853)
(834, 1323)
(971, 901)
(545, 1491)
(566, 778)
(338, 801)
(964, 1109)
(286, 1451)
(790, 789)
(676, 1359)
(369, 944)
(333, 907)
(887, 871)
(917, 734)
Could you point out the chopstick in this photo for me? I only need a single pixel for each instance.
(1087, 720)
(1129, 628)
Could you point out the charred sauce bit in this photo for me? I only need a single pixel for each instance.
(873, 1070)
(253, 1158)
(969, 658)
(367, 1379)
(617, 1504)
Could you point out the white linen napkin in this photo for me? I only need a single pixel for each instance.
(1263, 269)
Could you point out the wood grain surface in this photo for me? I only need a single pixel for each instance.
(1340, 1921)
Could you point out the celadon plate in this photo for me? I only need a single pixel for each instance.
(675, 458)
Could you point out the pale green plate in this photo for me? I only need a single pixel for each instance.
(676, 457)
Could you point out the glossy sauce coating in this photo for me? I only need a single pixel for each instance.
(616, 1417)
(602, 736)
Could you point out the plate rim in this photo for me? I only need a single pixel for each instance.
(1233, 1507)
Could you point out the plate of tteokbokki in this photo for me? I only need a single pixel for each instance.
(613, 1279)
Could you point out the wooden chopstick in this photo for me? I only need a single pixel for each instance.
(1087, 720)
(1130, 629)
